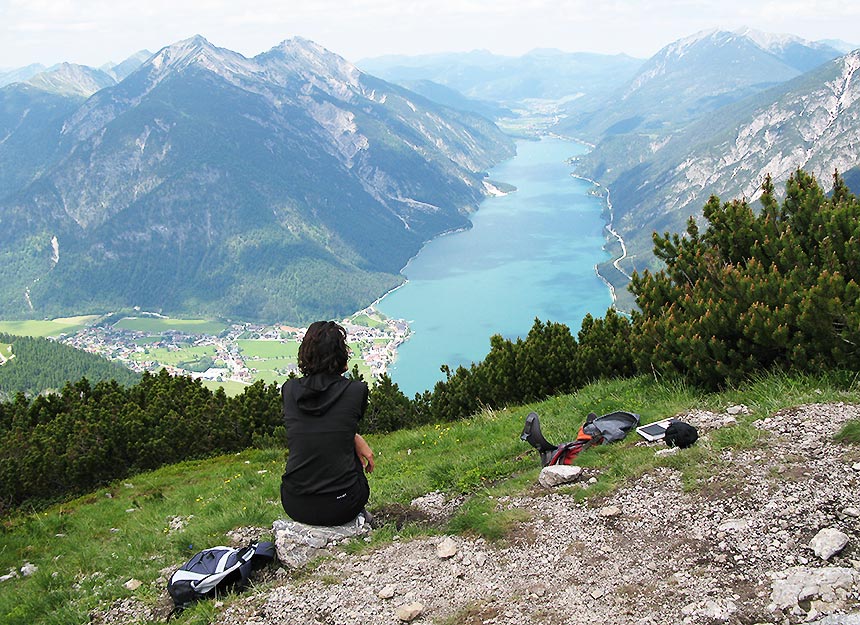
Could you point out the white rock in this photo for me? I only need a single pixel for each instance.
(733, 525)
(559, 474)
(10, 575)
(799, 581)
(409, 612)
(447, 548)
(133, 584)
(297, 543)
(610, 511)
(736, 410)
(388, 592)
(669, 451)
(828, 542)
(28, 569)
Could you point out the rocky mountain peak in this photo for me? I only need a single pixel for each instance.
(72, 79)
(197, 51)
(305, 58)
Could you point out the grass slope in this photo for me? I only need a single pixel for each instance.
(87, 549)
(53, 327)
(154, 324)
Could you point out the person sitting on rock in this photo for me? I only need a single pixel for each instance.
(324, 482)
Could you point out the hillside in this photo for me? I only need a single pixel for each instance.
(40, 364)
(692, 77)
(714, 534)
(810, 122)
(289, 186)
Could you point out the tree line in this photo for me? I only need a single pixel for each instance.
(41, 364)
(754, 291)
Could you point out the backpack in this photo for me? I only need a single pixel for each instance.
(609, 428)
(680, 434)
(217, 570)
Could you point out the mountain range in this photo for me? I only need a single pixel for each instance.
(713, 114)
(694, 76)
(811, 122)
(294, 185)
(543, 75)
(288, 186)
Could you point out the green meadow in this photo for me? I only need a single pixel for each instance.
(255, 348)
(53, 327)
(158, 325)
(173, 357)
(230, 387)
(367, 321)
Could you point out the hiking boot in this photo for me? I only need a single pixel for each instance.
(533, 436)
(368, 518)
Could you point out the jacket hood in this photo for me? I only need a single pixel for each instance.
(316, 393)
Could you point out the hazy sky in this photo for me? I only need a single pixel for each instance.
(93, 32)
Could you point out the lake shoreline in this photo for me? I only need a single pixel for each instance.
(612, 232)
(527, 255)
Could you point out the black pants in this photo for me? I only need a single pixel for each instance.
(333, 509)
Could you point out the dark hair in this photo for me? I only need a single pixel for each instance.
(324, 349)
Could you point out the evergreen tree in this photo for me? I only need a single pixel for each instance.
(778, 289)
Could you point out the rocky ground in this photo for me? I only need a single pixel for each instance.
(747, 548)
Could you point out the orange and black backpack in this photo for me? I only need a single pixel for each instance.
(596, 430)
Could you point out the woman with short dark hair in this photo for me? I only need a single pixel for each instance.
(324, 481)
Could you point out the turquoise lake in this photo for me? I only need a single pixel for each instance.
(529, 254)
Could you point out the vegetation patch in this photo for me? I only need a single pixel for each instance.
(850, 433)
(159, 325)
(52, 328)
(260, 349)
(86, 549)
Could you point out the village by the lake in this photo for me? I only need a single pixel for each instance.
(231, 355)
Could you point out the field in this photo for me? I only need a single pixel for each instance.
(172, 357)
(53, 327)
(5, 352)
(153, 324)
(367, 321)
(268, 349)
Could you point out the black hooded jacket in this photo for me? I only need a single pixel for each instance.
(321, 414)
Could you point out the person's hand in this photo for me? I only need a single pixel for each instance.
(365, 453)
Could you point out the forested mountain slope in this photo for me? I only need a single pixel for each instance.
(289, 186)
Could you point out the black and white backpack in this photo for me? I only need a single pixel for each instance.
(217, 570)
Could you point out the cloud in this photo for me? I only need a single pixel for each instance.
(94, 30)
(56, 26)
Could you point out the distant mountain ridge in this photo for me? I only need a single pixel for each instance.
(72, 79)
(694, 76)
(284, 187)
(811, 122)
(539, 75)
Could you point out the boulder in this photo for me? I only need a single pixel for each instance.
(447, 548)
(559, 474)
(812, 584)
(297, 543)
(409, 612)
(387, 593)
(828, 542)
